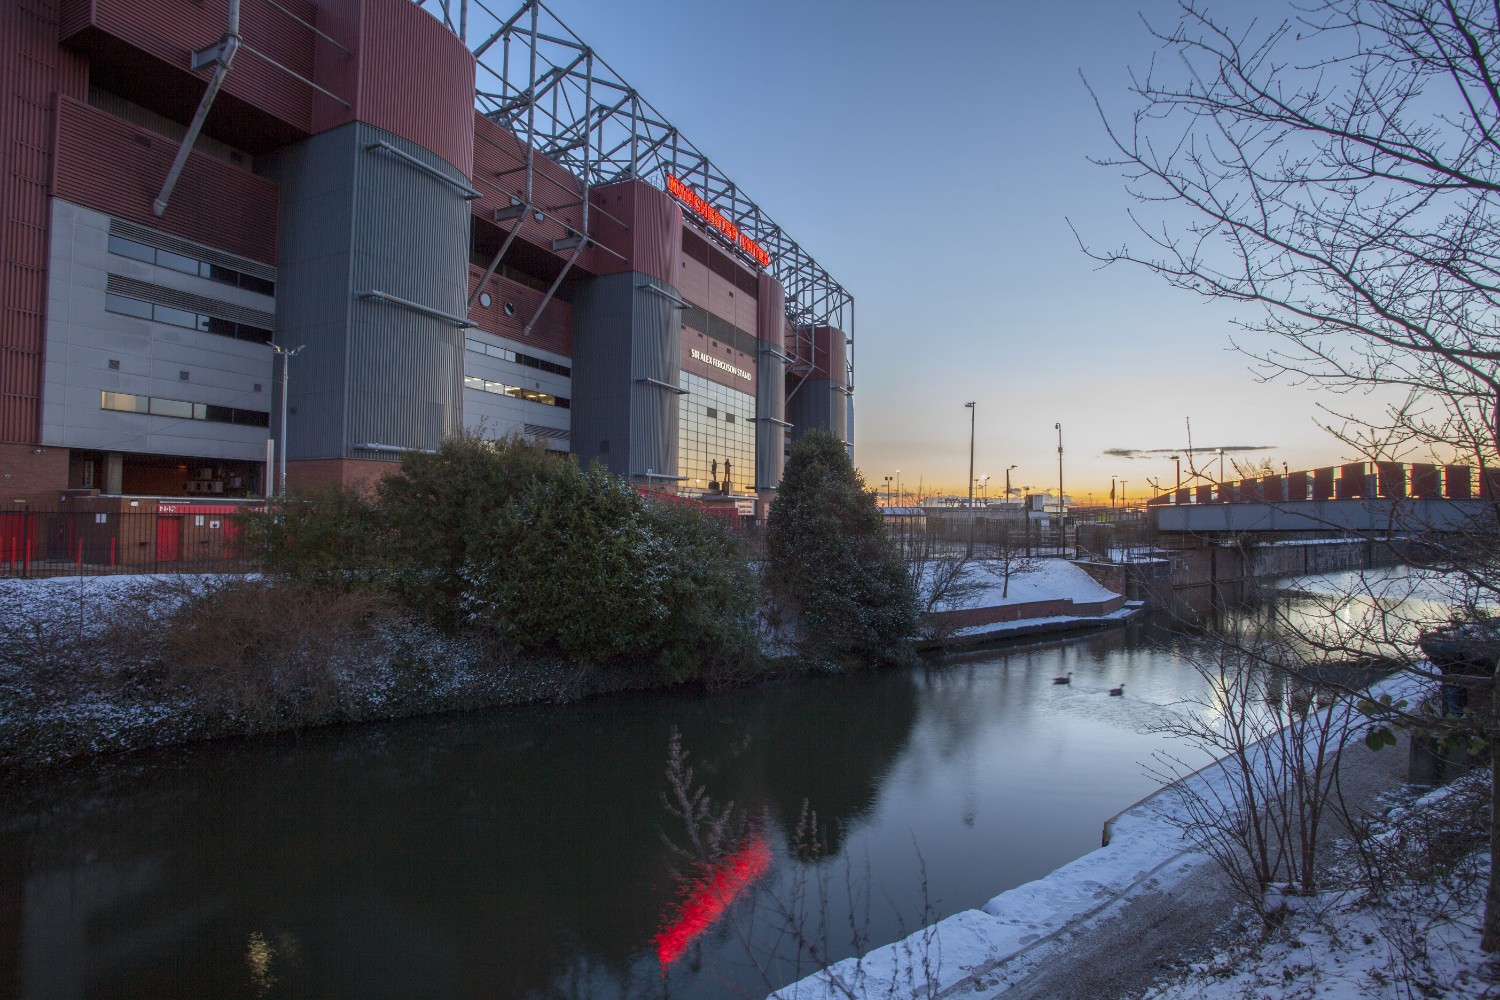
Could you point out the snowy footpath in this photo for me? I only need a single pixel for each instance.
(1109, 923)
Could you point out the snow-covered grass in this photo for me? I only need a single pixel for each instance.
(98, 665)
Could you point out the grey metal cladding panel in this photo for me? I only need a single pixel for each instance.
(770, 401)
(602, 380)
(656, 335)
(313, 297)
(819, 403)
(411, 240)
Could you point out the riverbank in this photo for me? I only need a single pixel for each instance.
(1112, 923)
(65, 694)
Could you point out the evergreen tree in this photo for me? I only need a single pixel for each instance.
(831, 563)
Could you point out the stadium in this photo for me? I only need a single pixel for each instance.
(298, 238)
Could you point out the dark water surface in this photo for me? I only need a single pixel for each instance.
(520, 853)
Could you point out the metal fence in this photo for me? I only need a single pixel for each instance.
(55, 542)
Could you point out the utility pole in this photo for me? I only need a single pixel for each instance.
(973, 409)
(286, 366)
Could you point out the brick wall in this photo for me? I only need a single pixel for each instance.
(973, 617)
(36, 475)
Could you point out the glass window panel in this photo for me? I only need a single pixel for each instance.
(260, 286)
(175, 317)
(257, 334)
(470, 382)
(177, 262)
(132, 249)
(126, 306)
(124, 402)
(171, 408)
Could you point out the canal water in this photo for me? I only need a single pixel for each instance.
(526, 852)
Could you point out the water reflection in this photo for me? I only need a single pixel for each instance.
(520, 853)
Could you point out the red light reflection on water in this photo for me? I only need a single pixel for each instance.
(707, 899)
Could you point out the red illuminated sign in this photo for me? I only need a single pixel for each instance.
(715, 218)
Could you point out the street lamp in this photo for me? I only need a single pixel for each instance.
(1112, 490)
(1062, 507)
(899, 495)
(973, 409)
(1122, 492)
(984, 488)
(1007, 483)
(286, 366)
(888, 491)
(1178, 460)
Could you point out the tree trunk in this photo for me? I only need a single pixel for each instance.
(1490, 941)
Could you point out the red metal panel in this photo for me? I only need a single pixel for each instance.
(169, 31)
(1205, 494)
(1296, 486)
(1323, 484)
(1250, 489)
(1392, 477)
(1456, 484)
(1425, 481)
(1183, 495)
(692, 281)
(721, 293)
(830, 354)
(1351, 480)
(771, 310)
(215, 202)
(33, 71)
(657, 234)
(553, 332)
(1272, 489)
(410, 76)
(497, 173)
(1489, 483)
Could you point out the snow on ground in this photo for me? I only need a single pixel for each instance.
(1030, 580)
(1421, 940)
(978, 952)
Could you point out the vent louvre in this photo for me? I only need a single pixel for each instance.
(552, 433)
(192, 303)
(172, 244)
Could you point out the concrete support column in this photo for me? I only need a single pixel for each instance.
(114, 472)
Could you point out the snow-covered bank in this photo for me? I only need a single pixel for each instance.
(1032, 581)
(982, 952)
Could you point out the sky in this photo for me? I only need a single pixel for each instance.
(931, 158)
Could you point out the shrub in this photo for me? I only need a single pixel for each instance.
(330, 536)
(831, 562)
(583, 564)
(438, 506)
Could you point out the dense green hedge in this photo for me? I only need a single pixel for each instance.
(831, 562)
(503, 537)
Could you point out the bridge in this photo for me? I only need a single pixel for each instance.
(1364, 497)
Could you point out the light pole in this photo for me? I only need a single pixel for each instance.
(984, 489)
(1062, 507)
(1112, 490)
(1007, 483)
(1178, 460)
(1123, 502)
(1221, 466)
(286, 367)
(888, 491)
(973, 409)
(899, 495)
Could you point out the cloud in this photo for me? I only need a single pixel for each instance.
(1228, 449)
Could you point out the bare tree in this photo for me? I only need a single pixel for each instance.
(1337, 174)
